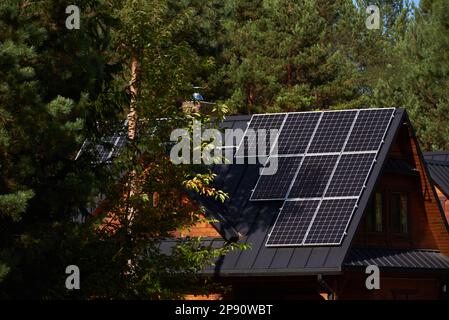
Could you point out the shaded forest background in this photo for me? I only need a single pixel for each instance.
(59, 87)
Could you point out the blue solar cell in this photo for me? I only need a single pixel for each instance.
(292, 223)
(252, 144)
(297, 132)
(313, 176)
(332, 132)
(350, 175)
(369, 129)
(331, 221)
(275, 187)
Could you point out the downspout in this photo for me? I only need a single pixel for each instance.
(324, 287)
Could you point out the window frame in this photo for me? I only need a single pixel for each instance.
(392, 220)
(371, 202)
(388, 236)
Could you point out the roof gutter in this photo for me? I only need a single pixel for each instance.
(273, 272)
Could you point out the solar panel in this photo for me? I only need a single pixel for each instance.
(332, 132)
(330, 222)
(292, 223)
(109, 146)
(259, 122)
(369, 130)
(350, 175)
(313, 176)
(119, 142)
(275, 187)
(297, 132)
(105, 148)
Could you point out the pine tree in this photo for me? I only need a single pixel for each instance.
(50, 78)
(290, 55)
(419, 79)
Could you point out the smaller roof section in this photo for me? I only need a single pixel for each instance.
(437, 156)
(387, 258)
(438, 165)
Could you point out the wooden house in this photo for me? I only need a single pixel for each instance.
(352, 191)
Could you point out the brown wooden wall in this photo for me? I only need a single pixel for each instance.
(393, 286)
(202, 229)
(434, 217)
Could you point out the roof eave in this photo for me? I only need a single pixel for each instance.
(273, 272)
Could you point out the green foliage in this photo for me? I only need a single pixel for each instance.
(58, 87)
(290, 56)
(50, 81)
(417, 77)
(151, 201)
(14, 205)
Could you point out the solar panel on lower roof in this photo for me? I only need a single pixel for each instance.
(369, 129)
(332, 132)
(109, 146)
(313, 176)
(350, 175)
(104, 148)
(331, 222)
(275, 186)
(292, 223)
(119, 144)
(296, 132)
(250, 146)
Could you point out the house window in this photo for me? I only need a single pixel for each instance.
(374, 216)
(399, 212)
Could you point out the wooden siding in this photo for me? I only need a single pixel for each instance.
(411, 286)
(201, 229)
(444, 202)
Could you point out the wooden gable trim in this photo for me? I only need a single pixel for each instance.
(444, 201)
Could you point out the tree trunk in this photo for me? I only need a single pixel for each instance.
(132, 128)
(132, 115)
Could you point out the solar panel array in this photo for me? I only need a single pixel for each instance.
(324, 160)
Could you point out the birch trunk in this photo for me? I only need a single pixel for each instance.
(132, 127)
(132, 115)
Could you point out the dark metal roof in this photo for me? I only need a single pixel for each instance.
(438, 165)
(437, 156)
(255, 219)
(397, 259)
